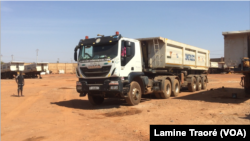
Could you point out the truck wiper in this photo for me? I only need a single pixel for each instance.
(105, 57)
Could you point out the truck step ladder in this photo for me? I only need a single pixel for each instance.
(157, 57)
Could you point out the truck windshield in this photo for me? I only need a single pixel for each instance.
(103, 51)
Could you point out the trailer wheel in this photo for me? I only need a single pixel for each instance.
(166, 90)
(204, 83)
(192, 85)
(176, 89)
(198, 85)
(134, 94)
(95, 100)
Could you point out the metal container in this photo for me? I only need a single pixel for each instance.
(166, 53)
(13, 66)
(36, 67)
(236, 47)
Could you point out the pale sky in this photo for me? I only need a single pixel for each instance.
(55, 28)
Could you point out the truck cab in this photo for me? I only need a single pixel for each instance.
(105, 65)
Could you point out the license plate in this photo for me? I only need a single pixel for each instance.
(79, 87)
(94, 67)
(93, 88)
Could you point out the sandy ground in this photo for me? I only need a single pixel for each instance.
(51, 110)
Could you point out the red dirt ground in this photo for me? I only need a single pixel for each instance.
(51, 110)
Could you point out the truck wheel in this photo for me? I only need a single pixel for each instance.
(204, 83)
(166, 90)
(198, 85)
(134, 94)
(192, 86)
(95, 100)
(176, 89)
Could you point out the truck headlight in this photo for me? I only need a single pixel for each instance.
(113, 87)
(114, 83)
(78, 83)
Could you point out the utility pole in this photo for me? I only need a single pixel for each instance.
(58, 60)
(71, 60)
(1, 57)
(36, 55)
(12, 57)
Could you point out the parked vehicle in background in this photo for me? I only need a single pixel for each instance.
(34, 70)
(9, 70)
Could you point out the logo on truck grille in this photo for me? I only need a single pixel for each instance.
(94, 65)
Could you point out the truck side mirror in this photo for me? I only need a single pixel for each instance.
(75, 54)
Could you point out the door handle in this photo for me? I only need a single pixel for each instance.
(132, 68)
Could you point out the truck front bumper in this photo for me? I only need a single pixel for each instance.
(108, 86)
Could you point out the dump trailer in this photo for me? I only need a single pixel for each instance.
(34, 70)
(116, 66)
(9, 70)
(216, 67)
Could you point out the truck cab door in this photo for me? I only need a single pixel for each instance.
(130, 57)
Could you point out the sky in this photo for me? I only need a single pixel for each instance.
(55, 28)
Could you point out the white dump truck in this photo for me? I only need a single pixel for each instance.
(9, 70)
(34, 70)
(116, 66)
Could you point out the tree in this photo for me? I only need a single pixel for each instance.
(2, 62)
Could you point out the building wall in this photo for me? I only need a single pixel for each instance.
(67, 67)
(217, 59)
(235, 48)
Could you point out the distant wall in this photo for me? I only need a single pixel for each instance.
(217, 59)
(67, 67)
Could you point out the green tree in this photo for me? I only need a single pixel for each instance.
(2, 62)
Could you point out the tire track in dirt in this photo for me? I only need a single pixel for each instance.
(24, 106)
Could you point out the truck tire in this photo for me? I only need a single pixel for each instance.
(166, 90)
(95, 100)
(134, 94)
(192, 85)
(176, 89)
(198, 84)
(204, 83)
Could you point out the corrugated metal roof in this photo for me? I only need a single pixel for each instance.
(236, 32)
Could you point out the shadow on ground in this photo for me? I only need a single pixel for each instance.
(107, 104)
(219, 95)
(247, 117)
(13, 95)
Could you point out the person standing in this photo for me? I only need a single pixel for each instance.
(20, 83)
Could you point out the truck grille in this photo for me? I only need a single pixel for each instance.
(95, 72)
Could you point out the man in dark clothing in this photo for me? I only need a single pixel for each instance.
(20, 82)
